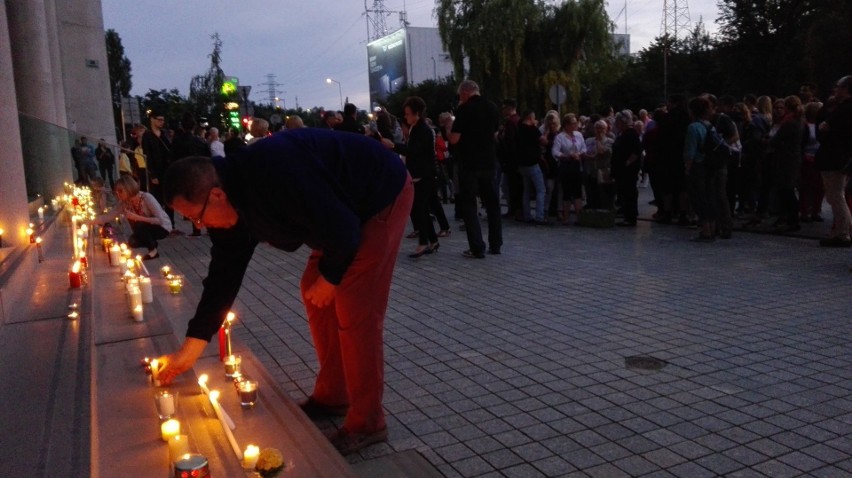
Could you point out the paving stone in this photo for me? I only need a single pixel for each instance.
(480, 350)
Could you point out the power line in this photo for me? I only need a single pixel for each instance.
(271, 88)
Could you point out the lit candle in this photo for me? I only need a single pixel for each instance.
(147, 290)
(31, 234)
(74, 277)
(250, 457)
(225, 336)
(165, 271)
(41, 213)
(38, 248)
(73, 315)
(1, 237)
(130, 265)
(232, 365)
(202, 382)
(137, 313)
(155, 372)
(114, 255)
(214, 401)
(169, 428)
(175, 284)
(247, 390)
(178, 446)
(166, 402)
(134, 295)
(84, 261)
(140, 266)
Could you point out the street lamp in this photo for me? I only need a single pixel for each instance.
(339, 90)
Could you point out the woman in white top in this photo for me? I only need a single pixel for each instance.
(568, 149)
(147, 218)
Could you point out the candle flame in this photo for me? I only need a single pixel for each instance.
(76, 267)
(214, 395)
(230, 317)
(202, 379)
(38, 240)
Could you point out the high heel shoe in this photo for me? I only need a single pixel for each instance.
(420, 253)
(433, 248)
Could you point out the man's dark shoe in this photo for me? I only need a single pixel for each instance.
(316, 410)
(348, 442)
(473, 255)
(835, 242)
(494, 252)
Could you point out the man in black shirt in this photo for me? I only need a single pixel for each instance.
(350, 122)
(474, 136)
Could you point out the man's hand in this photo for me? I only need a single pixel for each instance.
(180, 361)
(321, 293)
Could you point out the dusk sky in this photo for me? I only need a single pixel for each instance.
(300, 42)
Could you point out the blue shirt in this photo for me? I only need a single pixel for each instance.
(304, 186)
(695, 135)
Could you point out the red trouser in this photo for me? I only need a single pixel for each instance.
(348, 333)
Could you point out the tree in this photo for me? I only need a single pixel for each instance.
(519, 48)
(205, 91)
(170, 102)
(120, 76)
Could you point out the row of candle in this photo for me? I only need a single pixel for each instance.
(170, 429)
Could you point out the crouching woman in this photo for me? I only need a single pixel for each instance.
(147, 219)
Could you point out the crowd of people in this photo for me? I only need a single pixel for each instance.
(786, 156)
(347, 194)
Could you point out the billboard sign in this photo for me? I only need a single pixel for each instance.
(386, 57)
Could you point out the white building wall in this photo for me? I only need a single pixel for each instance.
(426, 57)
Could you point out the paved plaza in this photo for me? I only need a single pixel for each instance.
(515, 365)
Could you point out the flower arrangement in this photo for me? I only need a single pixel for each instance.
(269, 463)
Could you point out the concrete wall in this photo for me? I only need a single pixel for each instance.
(85, 70)
(13, 192)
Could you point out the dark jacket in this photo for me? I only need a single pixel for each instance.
(186, 144)
(304, 186)
(835, 147)
(419, 152)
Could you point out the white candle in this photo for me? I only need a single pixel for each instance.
(41, 213)
(155, 372)
(147, 291)
(122, 267)
(214, 401)
(166, 404)
(115, 256)
(169, 428)
(138, 315)
(134, 294)
(250, 457)
(178, 446)
(202, 382)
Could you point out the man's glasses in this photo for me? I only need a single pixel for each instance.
(197, 221)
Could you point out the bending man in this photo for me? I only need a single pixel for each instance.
(344, 196)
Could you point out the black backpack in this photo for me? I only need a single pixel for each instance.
(717, 152)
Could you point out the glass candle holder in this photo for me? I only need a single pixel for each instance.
(233, 363)
(247, 389)
(166, 402)
(175, 284)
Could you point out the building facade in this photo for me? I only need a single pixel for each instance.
(54, 88)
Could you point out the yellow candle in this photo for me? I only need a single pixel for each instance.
(178, 446)
(169, 428)
(250, 457)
